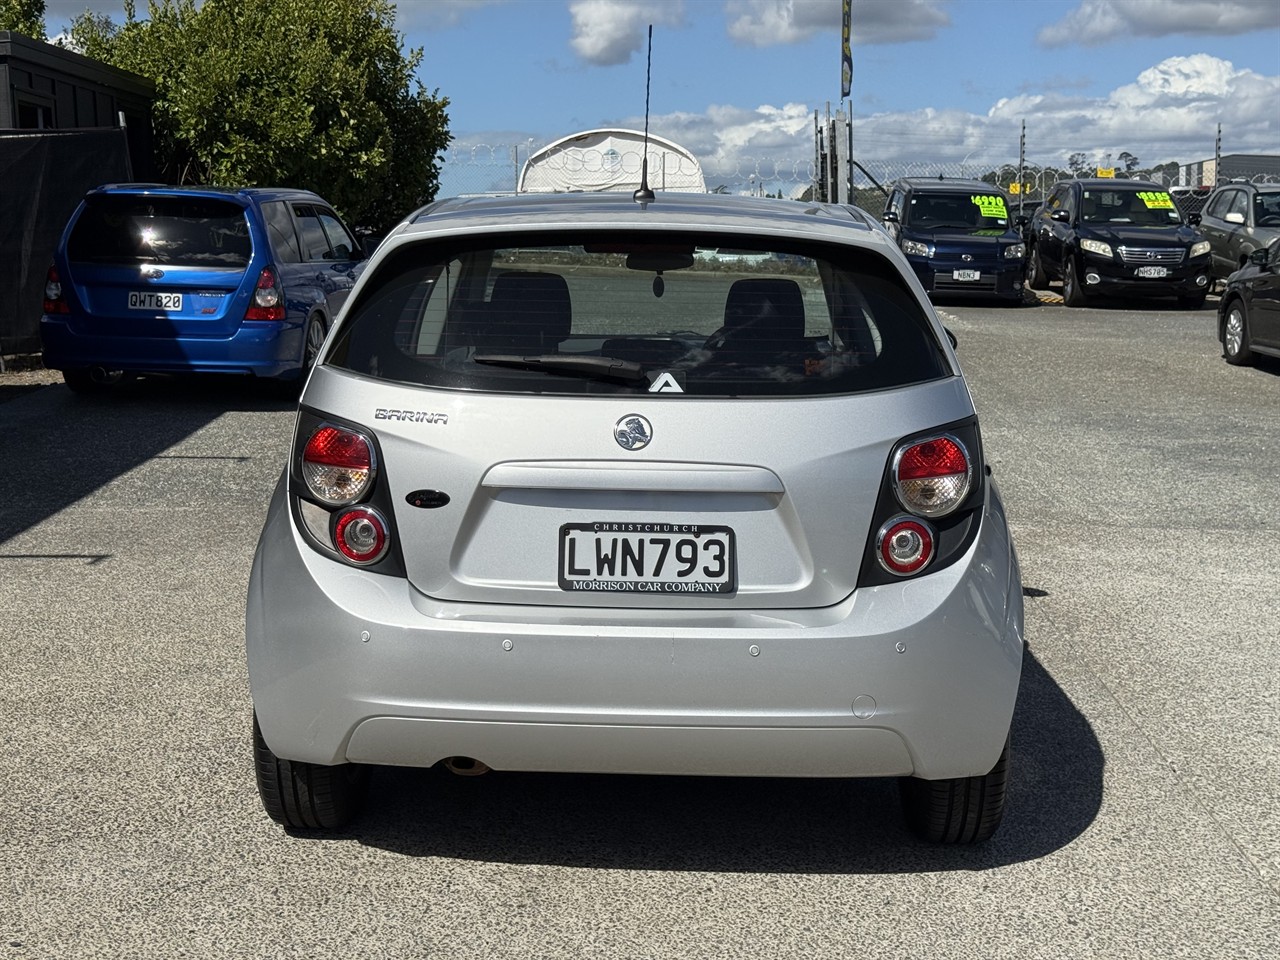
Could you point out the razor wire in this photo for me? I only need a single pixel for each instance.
(495, 169)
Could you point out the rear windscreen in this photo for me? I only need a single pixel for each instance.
(618, 313)
(180, 231)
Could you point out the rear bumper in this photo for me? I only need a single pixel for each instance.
(263, 350)
(918, 678)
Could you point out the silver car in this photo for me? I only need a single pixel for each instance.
(572, 489)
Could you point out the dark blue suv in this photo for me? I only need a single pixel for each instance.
(159, 279)
(958, 236)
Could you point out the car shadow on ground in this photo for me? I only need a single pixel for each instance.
(60, 447)
(737, 824)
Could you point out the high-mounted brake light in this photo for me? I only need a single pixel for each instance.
(932, 477)
(337, 465)
(268, 298)
(53, 302)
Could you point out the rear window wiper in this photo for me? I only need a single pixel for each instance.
(601, 368)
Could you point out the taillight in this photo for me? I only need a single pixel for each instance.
(904, 545)
(53, 302)
(338, 465)
(932, 477)
(268, 298)
(360, 534)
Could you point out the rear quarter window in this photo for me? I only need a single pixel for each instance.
(683, 315)
(179, 231)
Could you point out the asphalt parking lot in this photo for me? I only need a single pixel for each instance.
(1140, 473)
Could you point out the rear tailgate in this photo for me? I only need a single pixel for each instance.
(728, 499)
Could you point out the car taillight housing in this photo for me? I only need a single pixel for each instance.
(339, 496)
(53, 300)
(931, 477)
(338, 465)
(268, 298)
(930, 504)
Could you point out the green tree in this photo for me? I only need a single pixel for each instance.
(23, 16)
(306, 93)
(1079, 164)
(1129, 160)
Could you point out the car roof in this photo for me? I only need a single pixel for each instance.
(242, 194)
(949, 185)
(735, 216)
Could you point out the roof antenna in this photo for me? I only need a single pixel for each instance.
(644, 194)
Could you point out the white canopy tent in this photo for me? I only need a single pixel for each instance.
(600, 160)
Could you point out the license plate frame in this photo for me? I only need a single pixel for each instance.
(582, 569)
(154, 301)
(966, 276)
(1152, 272)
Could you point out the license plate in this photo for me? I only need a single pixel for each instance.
(670, 558)
(1153, 271)
(966, 274)
(150, 300)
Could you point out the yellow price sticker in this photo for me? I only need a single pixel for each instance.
(991, 206)
(1156, 201)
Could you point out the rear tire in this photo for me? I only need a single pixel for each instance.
(307, 796)
(316, 332)
(1235, 336)
(1072, 293)
(83, 382)
(959, 810)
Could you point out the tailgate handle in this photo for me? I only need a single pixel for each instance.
(611, 475)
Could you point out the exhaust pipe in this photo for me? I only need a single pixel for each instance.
(465, 766)
(105, 377)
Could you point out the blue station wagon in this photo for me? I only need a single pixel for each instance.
(153, 279)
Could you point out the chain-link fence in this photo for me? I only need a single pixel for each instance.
(495, 169)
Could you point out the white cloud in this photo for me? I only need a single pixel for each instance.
(608, 32)
(766, 23)
(1096, 22)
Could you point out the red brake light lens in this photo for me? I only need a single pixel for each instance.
(360, 534)
(337, 465)
(932, 477)
(53, 302)
(904, 546)
(268, 298)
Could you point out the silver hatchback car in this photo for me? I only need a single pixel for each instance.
(592, 484)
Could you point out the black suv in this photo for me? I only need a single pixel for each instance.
(958, 236)
(1123, 237)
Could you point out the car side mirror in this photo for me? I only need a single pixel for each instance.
(1259, 257)
(1193, 219)
(1021, 220)
(1062, 216)
(1234, 217)
(889, 217)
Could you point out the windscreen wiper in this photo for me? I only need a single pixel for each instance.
(598, 368)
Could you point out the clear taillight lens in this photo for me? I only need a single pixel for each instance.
(932, 477)
(904, 546)
(337, 465)
(268, 298)
(360, 534)
(53, 302)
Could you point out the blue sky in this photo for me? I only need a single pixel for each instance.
(934, 80)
